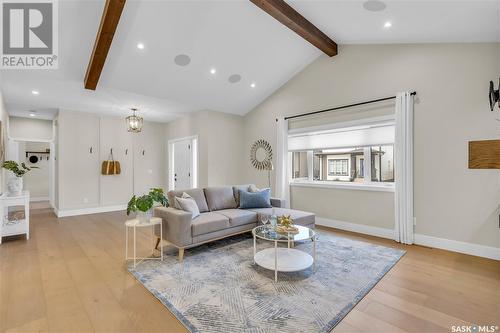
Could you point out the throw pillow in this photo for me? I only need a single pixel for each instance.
(188, 204)
(252, 188)
(255, 200)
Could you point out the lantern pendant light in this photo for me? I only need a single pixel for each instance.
(134, 122)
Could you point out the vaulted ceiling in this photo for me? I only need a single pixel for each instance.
(232, 37)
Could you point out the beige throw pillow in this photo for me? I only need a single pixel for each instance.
(254, 189)
(188, 204)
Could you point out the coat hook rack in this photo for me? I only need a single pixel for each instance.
(36, 153)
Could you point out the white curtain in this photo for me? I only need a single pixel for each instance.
(403, 153)
(282, 165)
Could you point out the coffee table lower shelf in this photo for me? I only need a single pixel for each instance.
(283, 259)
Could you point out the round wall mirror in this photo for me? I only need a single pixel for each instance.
(261, 155)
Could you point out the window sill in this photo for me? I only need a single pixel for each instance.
(345, 186)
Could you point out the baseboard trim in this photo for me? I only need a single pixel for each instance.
(457, 246)
(86, 211)
(35, 199)
(355, 227)
(424, 240)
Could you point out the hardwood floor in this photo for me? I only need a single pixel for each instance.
(70, 277)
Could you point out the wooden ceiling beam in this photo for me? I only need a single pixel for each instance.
(109, 21)
(288, 16)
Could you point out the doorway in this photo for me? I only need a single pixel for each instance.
(183, 163)
(38, 156)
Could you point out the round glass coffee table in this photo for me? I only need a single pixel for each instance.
(283, 259)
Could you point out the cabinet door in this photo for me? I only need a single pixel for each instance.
(149, 158)
(116, 189)
(78, 162)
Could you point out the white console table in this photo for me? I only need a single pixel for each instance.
(17, 227)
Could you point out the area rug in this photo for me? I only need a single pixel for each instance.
(218, 288)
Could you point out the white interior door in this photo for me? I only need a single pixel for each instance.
(182, 163)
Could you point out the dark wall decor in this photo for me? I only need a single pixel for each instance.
(494, 95)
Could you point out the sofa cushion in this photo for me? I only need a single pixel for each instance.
(188, 204)
(255, 200)
(209, 222)
(196, 193)
(236, 192)
(220, 198)
(299, 217)
(239, 216)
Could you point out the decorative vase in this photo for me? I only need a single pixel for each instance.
(144, 217)
(15, 186)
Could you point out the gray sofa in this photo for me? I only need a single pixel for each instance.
(219, 217)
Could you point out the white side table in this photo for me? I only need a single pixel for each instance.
(19, 227)
(134, 223)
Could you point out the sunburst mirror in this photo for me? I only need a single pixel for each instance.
(261, 155)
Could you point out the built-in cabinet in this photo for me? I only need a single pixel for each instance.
(78, 160)
(85, 140)
(116, 189)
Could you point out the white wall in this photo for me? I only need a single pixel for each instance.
(451, 108)
(28, 129)
(4, 116)
(220, 139)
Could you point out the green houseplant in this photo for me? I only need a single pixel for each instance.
(15, 185)
(143, 205)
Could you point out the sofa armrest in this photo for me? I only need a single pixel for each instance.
(176, 225)
(278, 203)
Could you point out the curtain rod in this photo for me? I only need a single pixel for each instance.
(345, 106)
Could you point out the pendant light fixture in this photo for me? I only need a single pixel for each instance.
(134, 122)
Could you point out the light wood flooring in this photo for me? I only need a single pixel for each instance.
(70, 277)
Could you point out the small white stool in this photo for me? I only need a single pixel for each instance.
(134, 223)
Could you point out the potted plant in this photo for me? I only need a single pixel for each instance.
(143, 205)
(15, 184)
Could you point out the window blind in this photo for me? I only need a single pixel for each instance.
(340, 138)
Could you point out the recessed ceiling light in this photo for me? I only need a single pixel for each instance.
(35, 92)
(182, 60)
(213, 71)
(32, 114)
(234, 78)
(252, 85)
(374, 5)
(140, 46)
(387, 24)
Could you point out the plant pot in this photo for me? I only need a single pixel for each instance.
(15, 186)
(144, 217)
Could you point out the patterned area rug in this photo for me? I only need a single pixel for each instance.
(218, 288)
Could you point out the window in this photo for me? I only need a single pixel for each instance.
(382, 158)
(338, 167)
(299, 165)
(334, 161)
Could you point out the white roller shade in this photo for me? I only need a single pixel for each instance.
(381, 135)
